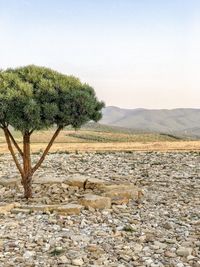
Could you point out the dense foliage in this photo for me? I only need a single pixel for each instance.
(33, 98)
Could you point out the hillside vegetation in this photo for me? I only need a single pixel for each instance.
(93, 132)
(179, 122)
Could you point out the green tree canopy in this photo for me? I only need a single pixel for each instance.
(34, 98)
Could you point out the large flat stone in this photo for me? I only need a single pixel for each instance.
(68, 209)
(18, 210)
(85, 182)
(123, 191)
(43, 208)
(76, 180)
(49, 180)
(119, 200)
(95, 201)
(5, 208)
(14, 182)
(94, 183)
(1, 244)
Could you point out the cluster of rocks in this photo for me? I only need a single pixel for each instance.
(67, 195)
(87, 210)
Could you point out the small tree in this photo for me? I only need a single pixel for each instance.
(34, 98)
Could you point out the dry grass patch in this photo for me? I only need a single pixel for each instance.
(120, 146)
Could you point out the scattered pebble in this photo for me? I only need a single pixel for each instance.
(160, 230)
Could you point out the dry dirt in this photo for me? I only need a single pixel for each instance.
(121, 146)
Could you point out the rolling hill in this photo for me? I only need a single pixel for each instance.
(181, 122)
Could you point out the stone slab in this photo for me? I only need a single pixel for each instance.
(95, 201)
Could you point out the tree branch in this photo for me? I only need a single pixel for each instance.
(46, 150)
(15, 143)
(31, 131)
(5, 129)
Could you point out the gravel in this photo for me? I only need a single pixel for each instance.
(162, 230)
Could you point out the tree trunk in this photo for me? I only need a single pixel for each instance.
(27, 171)
(27, 177)
(28, 187)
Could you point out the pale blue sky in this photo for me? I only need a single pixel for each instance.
(135, 53)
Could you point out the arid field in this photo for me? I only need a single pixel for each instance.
(160, 230)
(117, 146)
(103, 199)
(105, 139)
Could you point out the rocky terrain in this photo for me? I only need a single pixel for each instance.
(161, 229)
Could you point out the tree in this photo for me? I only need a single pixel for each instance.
(34, 98)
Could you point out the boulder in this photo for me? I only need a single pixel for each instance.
(95, 201)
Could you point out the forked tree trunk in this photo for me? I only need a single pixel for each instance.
(27, 171)
(27, 177)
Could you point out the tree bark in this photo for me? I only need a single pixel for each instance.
(34, 169)
(15, 143)
(7, 136)
(27, 171)
(27, 178)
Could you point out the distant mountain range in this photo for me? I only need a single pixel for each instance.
(180, 121)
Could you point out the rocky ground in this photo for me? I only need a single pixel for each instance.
(161, 230)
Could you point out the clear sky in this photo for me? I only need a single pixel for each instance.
(135, 53)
